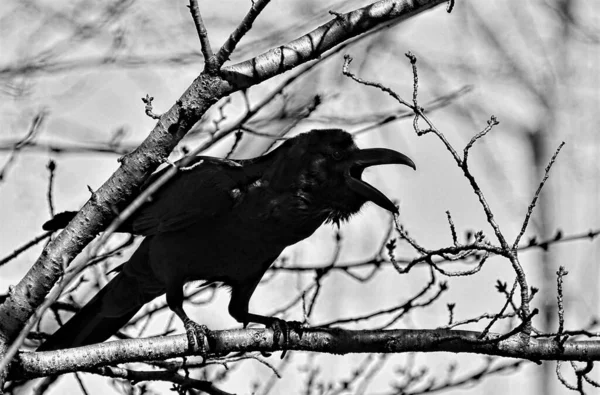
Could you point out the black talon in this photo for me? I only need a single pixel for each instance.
(282, 328)
(197, 336)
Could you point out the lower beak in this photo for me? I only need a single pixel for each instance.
(371, 157)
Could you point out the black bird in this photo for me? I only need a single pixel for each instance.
(227, 221)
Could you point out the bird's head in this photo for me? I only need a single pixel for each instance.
(323, 169)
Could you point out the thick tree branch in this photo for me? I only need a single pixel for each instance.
(336, 341)
(323, 38)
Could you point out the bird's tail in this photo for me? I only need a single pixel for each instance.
(100, 318)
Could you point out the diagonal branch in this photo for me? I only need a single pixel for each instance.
(536, 195)
(323, 38)
(239, 32)
(202, 33)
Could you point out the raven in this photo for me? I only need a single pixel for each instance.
(226, 221)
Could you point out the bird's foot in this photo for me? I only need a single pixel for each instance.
(282, 328)
(197, 336)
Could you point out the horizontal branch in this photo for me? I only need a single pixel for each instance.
(334, 341)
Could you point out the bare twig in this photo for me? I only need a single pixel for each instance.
(470, 379)
(202, 33)
(479, 318)
(460, 273)
(243, 28)
(59, 148)
(560, 274)
(51, 168)
(536, 195)
(451, 307)
(437, 103)
(490, 124)
(82, 387)
(320, 275)
(148, 108)
(255, 132)
(370, 374)
(160, 375)
(452, 228)
(450, 6)
(346, 71)
(501, 312)
(34, 128)
(268, 385)
(562, 379)
(222, 117)
(24, 248)
(402, 308)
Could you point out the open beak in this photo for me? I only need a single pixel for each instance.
(364, 158)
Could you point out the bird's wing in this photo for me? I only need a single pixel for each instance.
(202, 191)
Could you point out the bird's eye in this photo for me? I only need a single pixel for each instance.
(337, 155)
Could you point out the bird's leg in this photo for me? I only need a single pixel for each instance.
(197, 334)
(280, 327)
(238, 308)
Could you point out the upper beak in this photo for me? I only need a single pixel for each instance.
(364, 158)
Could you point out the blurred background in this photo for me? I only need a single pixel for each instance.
(71, 77)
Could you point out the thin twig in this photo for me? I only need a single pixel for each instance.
(451, 307)
(320, 275)
(403, 308)
(148, 107)
(243, 28)
(51, 168)
(490, 124)
(452, 228)
(536, 195)
(437, 103)
(159, 375)
(202, 33)
(34, 128)
(255, 132)
(560, 274)
(24, 248)
(370, 374)
(473, 320)
(501, 312)
(346, 71)
(82, 387)
(471, 380)
(562, 379)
